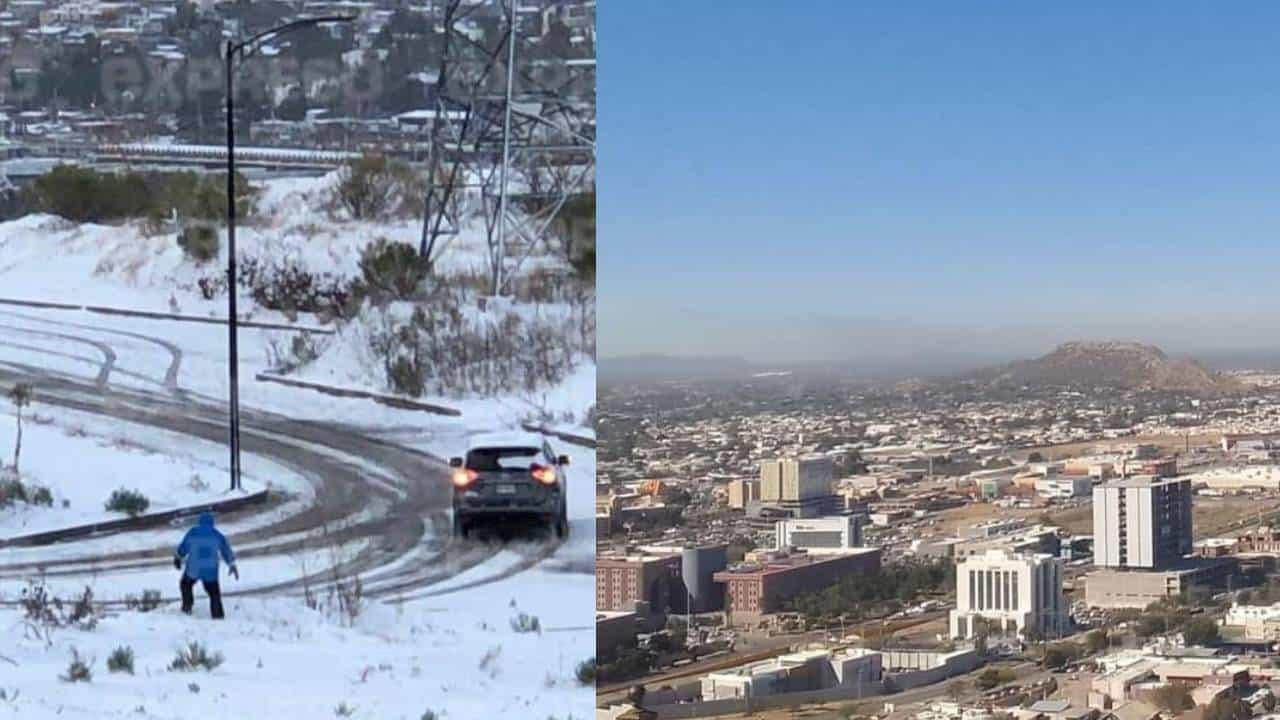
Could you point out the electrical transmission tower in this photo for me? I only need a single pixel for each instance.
(513, 126)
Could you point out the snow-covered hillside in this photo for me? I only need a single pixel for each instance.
(296, 225)
(445, 628)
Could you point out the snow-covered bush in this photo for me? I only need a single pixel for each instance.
(121, 660)
(526, 623)
(457, 351)
(195, 656)
(78, 670)
(129, 502)
(301, 350)
(13, 490)
(149, 601)
(199, 242)
(391, 270)
(291, 289)
(377, 188)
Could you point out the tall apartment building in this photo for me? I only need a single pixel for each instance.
(742, 492)
(801, 486)
(1011, 593)
(1142, 522)
(833, 533)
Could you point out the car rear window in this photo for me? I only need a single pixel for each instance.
(496, 459)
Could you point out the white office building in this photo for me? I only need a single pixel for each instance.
(1142, 522)
(1064, 487)
(834, 533)
(1009, 593)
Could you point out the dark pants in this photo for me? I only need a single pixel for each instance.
(211, 588)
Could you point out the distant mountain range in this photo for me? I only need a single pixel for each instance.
(662, 368)
(1126, 365)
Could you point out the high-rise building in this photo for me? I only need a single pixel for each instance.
(1142, 522)
(742, 492)
(800, 486)
(1009, 592)
(824, 534)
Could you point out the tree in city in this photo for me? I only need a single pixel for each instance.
(992, 677)
(20, 395)
(1200, 631)
(1097, 640)
(957, 689)
(1058, 655)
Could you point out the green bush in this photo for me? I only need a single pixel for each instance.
(391, 270)
(121, 660)
(13, 490)
(86, 195)
(130, 502)
(586, 672)
(525, 623)
(376, 188)
(200, 243)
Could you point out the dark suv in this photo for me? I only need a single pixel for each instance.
(509, 479)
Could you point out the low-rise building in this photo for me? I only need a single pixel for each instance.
(1064, 487)
(1009, 593)
(1106, 588)
(796, 672)
(760, 586)
(1255, 622)
(834, 533)
(624, 580)
(614, 630)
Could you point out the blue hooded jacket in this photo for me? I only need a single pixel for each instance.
(201, 548)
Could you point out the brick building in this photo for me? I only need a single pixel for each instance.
(758, 588)
(622, 581)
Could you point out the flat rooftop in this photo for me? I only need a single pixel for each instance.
(791, 562)
(1141, 481)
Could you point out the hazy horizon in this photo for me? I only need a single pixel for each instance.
(870, 183)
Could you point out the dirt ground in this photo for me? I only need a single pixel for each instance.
(1167, 443)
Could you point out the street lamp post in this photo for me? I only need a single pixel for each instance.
(232, 319)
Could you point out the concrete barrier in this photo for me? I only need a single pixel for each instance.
(174, 317)
(571, 438)
(388, 400)
(140, 522)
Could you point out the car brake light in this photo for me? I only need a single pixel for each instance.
(463, 478)
(544, 475)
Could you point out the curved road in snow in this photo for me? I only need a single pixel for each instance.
(391, 499)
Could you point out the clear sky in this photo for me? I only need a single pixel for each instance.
(832, 180)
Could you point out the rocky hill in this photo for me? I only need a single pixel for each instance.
(1109, 364)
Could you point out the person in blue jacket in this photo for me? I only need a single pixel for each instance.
(201, 549)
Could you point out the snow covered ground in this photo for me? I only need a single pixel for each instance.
(454, 653)
(82, 459)
(447, 647)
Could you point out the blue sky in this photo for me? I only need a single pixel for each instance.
(836, 179)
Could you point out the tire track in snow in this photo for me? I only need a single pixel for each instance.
(175, 353)
(108, 353)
